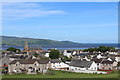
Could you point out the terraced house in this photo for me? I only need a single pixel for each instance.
(29, 66)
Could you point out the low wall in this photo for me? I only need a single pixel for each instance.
(85, 71)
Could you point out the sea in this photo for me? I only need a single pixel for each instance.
(82, 46)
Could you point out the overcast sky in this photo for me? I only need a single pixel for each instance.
(74, 21)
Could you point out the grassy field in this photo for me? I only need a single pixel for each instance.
(61, 74)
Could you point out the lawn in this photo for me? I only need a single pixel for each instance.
(62, 74)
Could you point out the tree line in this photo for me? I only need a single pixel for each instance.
(97, 49)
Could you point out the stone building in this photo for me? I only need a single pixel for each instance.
(30, 66)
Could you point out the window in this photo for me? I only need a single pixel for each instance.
(36, 64)
(95, 68)
(86, 68)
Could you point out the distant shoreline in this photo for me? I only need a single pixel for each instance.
(61, 47)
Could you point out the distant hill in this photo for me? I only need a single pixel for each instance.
(19, 41)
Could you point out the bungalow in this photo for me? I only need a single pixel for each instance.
(57, 64)
(78, 64)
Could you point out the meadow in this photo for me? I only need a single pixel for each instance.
(63, 74)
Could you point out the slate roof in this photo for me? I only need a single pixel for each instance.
(55, 61)
(5, 60)
(69, 51)
(97, 60)
(115, 50)
(30, 61)
(14, 56)
(107, 62)
(81, 63)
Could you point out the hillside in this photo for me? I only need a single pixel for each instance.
(19, 41)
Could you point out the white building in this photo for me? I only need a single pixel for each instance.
(56, 64)
(77, 64)
(67, 53)
(99, 56)
(47, 54)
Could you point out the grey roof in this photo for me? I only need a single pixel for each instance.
(107, 62)
(81, 63)
(5, 60)
(96, 60)
(115, 50)
(55, 61)
(14, 56)
(30, 61)
(69, 51)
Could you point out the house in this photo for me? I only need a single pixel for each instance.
(57, 64)
(5, 60)
(99, 56)
(67, 53)
(14, 57)
(47, 54)
(108, 65)
(117, 58)
(77, 64)
(28, 65)
(68, 61)
(98, 62)
(115, 51)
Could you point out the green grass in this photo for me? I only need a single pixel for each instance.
(62, 74)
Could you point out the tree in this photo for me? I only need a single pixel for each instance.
(36, 54)
(101, 49)
(13, 49)
(54, 54)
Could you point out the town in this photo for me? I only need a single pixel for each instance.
(35, 60)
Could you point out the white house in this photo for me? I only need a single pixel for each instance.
(117, 58)
(47, 54)
(56, 64)
(115, 52)
(78, 64)
(67, 53)
(99, 56)
(74, 52)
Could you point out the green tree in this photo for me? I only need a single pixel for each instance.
(36, 54)
(13, 49)
(101, 49)
(54, 54)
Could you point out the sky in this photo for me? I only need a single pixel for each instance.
(83, 22)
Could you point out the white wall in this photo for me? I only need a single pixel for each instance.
(93, 66)
(66, 54)
(46, 54)
(59, 65)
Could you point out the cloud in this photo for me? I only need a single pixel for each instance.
(27, 10)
